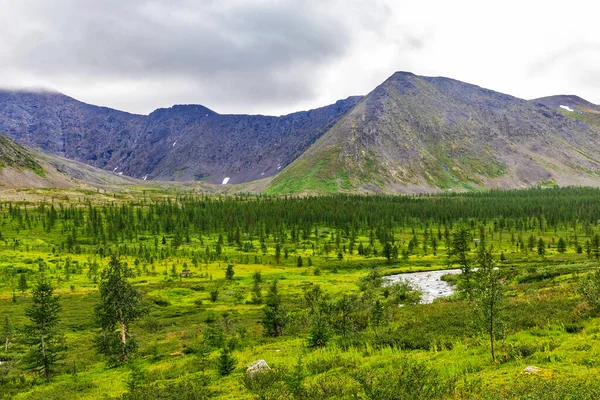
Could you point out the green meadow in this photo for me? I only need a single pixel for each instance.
(341, 332)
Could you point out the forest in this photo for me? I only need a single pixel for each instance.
(156, 294)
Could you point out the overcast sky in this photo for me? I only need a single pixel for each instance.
(275, 57)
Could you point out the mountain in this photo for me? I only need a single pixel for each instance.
(19, 168)
(416, 134)
(573, 107)
(184, 142)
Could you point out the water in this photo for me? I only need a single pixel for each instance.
(428, 282)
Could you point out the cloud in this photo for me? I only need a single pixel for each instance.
(280, 56)
(234, 52)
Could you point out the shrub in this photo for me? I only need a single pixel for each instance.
(405, 379)
(573, 328)
(185, 390)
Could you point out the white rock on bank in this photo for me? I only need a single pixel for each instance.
(257, 367)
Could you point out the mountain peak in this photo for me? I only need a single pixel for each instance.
(422, 134)
(189, 110)
(565, 100)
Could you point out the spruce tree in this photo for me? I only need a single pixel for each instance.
(42, 333)
(256, 288)
(229, 273)
(120, 304)
(226, 362)
(458, 254)
(274, 315)
(561, 246)
(319, 333)
(23, 283)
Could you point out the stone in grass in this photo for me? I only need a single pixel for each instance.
(531, 370)
(257, 367)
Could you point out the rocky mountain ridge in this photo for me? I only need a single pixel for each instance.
(184, 142)
(416, 134)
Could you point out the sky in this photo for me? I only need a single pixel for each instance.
(275, 57)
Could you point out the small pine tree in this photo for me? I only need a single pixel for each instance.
(377, 314)
(42, 333)
(319, 333)
(274, 315)
(214, 294)
(23, 283)
(277, 253)
(561, 246)
(226, 362)
(229, 273)
(203, 355)
(256, 288)
(295, 380)
(136, 374)
(541, 247)
(458, 254)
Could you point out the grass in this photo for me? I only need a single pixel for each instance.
(546, 324)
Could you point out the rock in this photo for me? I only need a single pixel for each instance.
(531, 370)
(257, 367)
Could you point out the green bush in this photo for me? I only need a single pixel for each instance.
(405, 379)
(185, 390)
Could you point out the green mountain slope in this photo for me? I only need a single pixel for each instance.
(14, 156)
(417, 134)
(21, 168)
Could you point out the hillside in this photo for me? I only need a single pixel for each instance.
(19, 168)
(573, 107)
(182, 143)
(422, 134)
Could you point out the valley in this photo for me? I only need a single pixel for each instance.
(207, 266)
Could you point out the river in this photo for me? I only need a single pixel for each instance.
(428, 282)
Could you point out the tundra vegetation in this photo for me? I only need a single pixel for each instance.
(171, 295)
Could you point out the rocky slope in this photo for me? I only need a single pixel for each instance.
(19, 168)
(185, 142)
(573, 107)
(422, 134)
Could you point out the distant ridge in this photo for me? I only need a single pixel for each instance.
(183, 142)
(411, 134)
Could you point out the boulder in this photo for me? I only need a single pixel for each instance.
(531, 370)
(257, 367)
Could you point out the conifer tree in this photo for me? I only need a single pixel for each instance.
(23, 283)
(274, 314)
(229, 273)
(256, 288)
(226, 362)
(42, 333)
(120, 304)
(458, 254)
